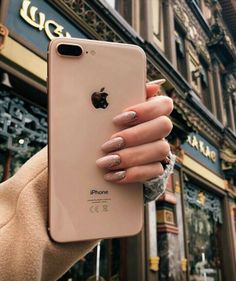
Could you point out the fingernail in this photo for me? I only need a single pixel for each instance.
(125, 117)
(113, 144)
(115, 176)
(108, 161)
(158, 82)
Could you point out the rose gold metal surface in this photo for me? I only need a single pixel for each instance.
(82, 205)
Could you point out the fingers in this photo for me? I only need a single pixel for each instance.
(135, 156)
(146, 111)
(136, 174)
(150, 131)
(135, 153)
(135, 164)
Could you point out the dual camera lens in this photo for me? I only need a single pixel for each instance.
(69, 50)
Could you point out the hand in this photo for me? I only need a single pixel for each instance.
(136, 152)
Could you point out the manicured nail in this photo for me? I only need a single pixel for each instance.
(158, 82)
(115, 176)
(108, 161)
(125, 117)
(113, 144)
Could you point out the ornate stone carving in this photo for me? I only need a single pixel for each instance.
(228, 155)
(228, 163)
(194, 121)
(92, 20)
(73, 3)
(220, 34)
(202, 49)
(230, 83)
(181, 15)
(193, 31)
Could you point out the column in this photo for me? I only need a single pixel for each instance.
(218, 93)
(212, 92)
(169, 32)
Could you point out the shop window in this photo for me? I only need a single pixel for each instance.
(157, 23)
(107, 265)
(203, 215)
(181, 53)
(23, 131)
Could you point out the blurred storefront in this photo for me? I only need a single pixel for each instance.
(203, 193)
(190, 233)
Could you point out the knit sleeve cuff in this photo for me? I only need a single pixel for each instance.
(154, 188)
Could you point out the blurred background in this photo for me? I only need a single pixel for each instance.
(190, 232)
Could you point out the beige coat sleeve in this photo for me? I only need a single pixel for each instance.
(26, 251)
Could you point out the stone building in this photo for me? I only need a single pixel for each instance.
(190, 233)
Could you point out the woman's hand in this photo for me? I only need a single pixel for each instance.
(135, 153)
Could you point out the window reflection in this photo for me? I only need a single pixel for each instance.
(203, 232)
(203, 245)
(109, 264)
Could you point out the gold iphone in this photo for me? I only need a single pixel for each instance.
(89, 83)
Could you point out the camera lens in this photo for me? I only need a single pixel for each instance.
(69, 50)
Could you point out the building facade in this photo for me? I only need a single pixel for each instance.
(190, 232)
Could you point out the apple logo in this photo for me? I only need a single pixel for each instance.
(99, 99)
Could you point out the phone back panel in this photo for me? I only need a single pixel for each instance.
(82, 205)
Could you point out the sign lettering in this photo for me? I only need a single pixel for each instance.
(38, 20)
(202, 147)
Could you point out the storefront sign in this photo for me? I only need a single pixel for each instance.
(36, 22)
(202, 147)
(201, 150)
